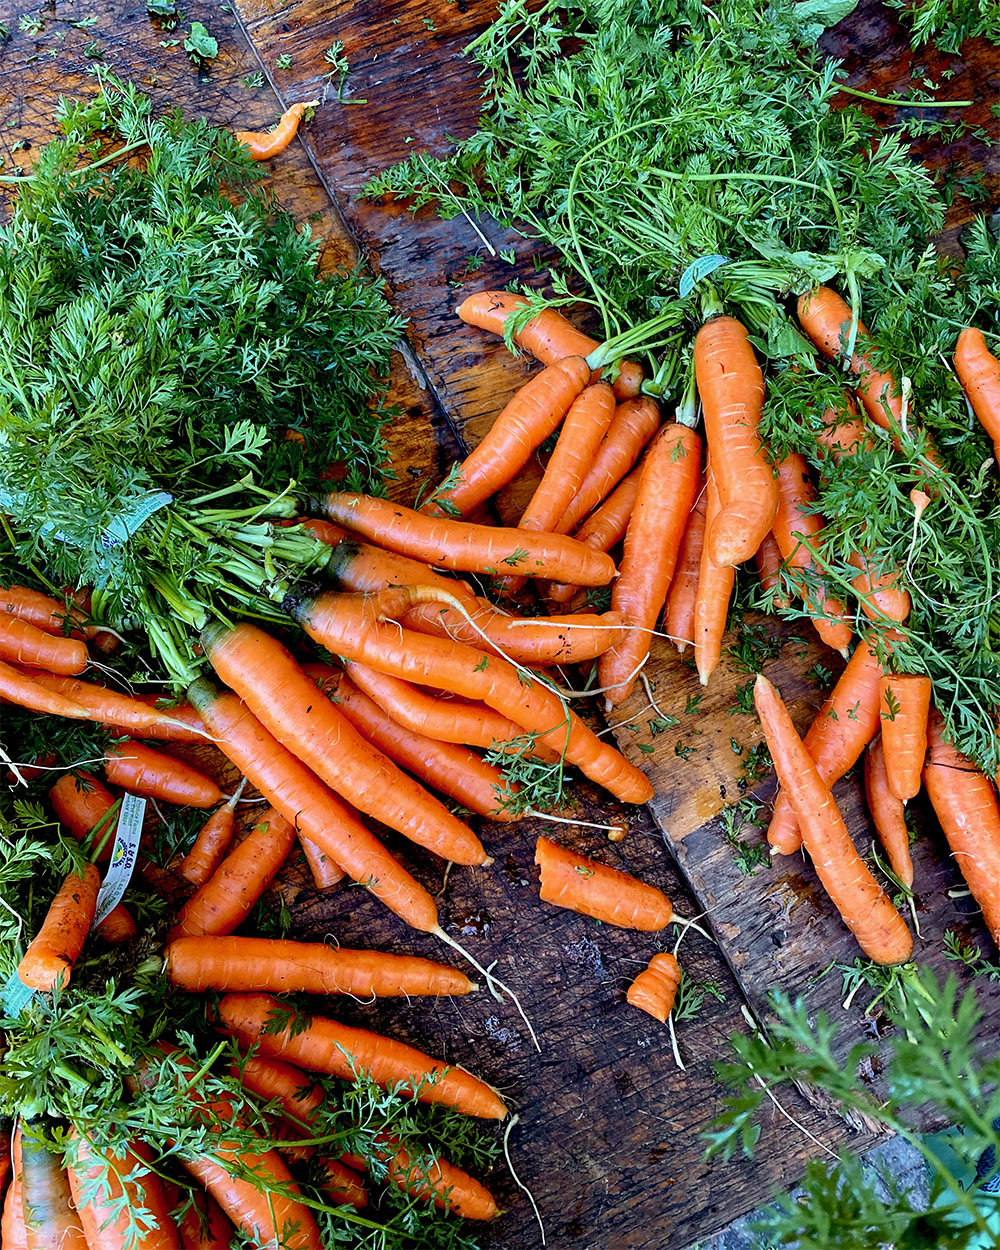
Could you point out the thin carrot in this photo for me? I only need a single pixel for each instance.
(230, 894)
(451, 769)
(81, 700)
(966, 805)
(49, 959)
(101, 1180)
(715, 589)
(604, 528)
(844, 725)
(678, 615)
(360, 566)
(43, 611)
(178, 722)
(731, 387)
(548, 337)
(142, 770)
(285, 967)
(13, 1235)
(324, 1045)
(888, 814)
(264, 144)
(655, 988)
(364, 628)
(663, 503)
(22, 643)
(864, 907)
(24, 690)
(465, 547)
(904, 705)
(979, 373)
(50, 1220)
(212, 842)
(199, 1219)
(310, 806)
(593, 889)
(769, 565)
(281, 696)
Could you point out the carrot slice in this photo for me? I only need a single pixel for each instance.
(655, 988)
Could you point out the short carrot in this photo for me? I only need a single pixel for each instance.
(593, 889)
(604, 528)
(48, 961)
(23, 643)
(678, 615)
(211, 844)
(323, 868)
(263, 144)
(904, 706)
(101, 1180)
(43, 611)
(881, 594)
(888, 814)
(655, 988)
(118, 926)
(715, 589)
(864, 907)
(141, 770)
(979, 373)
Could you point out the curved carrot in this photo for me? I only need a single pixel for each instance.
(888, 814)
(44, 612)
(769, 564)
(357, 628)
(966, 805)
(276, 690)
(50, 1220)
(23, 643)
(715, 589)
(49, 959)
(678, 615)
(464, 547)
(142, 770)
(655, 988)
(82, 700)
(731, 387)
(100, 1180)
(593, 889)
(264, 144)
(604, 528)
(211, 844)
(358, 566)
(548, 337)
(864, 907)
(844, 725)
(285, 967)
(663, 503)
(230, 894)
(309, 806)
(979, 373)
(904, 706)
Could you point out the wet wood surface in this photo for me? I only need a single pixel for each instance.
(608, 1138)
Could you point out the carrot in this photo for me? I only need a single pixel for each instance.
(864, 907)
(284, 967)
(663, 503)
(880, 594)
(678, 615)
(323, 868)
(100, 1180)
(22, 643)
(795, 530)
(604, 528)
(465, 547)
(341, 1185)
(715, 589)
(904, 705)
(769, 565)
(13, 1235)
(50, 1220)
(142, 770)
(81, 803)
(844, 725)
(44, 612)
(118, 926)
(966, 805)
(84, 701)
(979, 373)
(282, 697)
(360, 566)
(454, 771)
(178, 722)
(655, 988)
(212, 842)
(309, 806)
(229, 895)
(888, 814)
(593, 889)
(264, 144)
(548, 337)
(24, 690)
(844, 435)
(324, 1045)
(731, 387)
(356, 627)
(199, 1219)
(49, 959)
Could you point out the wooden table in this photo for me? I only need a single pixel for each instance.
(609, 1133)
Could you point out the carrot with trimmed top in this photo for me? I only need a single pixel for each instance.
(23, 643)
(979, 373)
(51, 1222)
(904, 706)
(715, 589)
(263, 144)
(888, 814)
(44, 612)
(49, 959)
(465, 547)
(863, 905)
(279, 966)
(81, 700)
(678, 614)
(101, 1180)
(324, 1045)
(965, 804)
(593, 889)
(655, 988)
(142, 770)
(605, 527)
(212, 842)
(276, 690)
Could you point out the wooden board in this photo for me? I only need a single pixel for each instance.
(608, 1139)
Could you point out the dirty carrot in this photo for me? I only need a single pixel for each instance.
(678, 615)
(904, 705)
(50, 1220)
(101, 1180)
(142, 770)
(979, 373)
(593, 889)
(263, 144)
(23, 643)
(604, 528)
(888, 814)
(864, 907)
(655, 988)
(212, 842)
(715, 589)
(49, 959)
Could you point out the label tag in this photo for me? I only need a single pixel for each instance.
(699, 269)
(123, 856)
(15, 996)
(128, 523)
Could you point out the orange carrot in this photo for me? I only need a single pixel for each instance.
(864, 907)
(844, 725)
(325, 1045)
(548, 337)
(22, 643)
(49, 959)
(118, 926)
(583, 428)
(13, 1235)
(281, 696)
(24, 690)
(229, 895)
(43, 612)
(715, 589)
(309, 806)
(81, 803)
(663, 503)
(880, 594)
(360, 566)
(583, 885)
(904, 705)
(966, 805)
(142, 770)
(284, 967)
(844, 434)
(264, 144)
(50, 1220)
(678, 616)
(179, 722)
(211, 844)
(769, 565)
(200, 1221)
(604, 528)
(341, 1185)
(324, 870)
(82, 700)
(979, 373)
(731, 387)
(465, 547)
(655, 988)
(102, 1179)
(888, 814)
